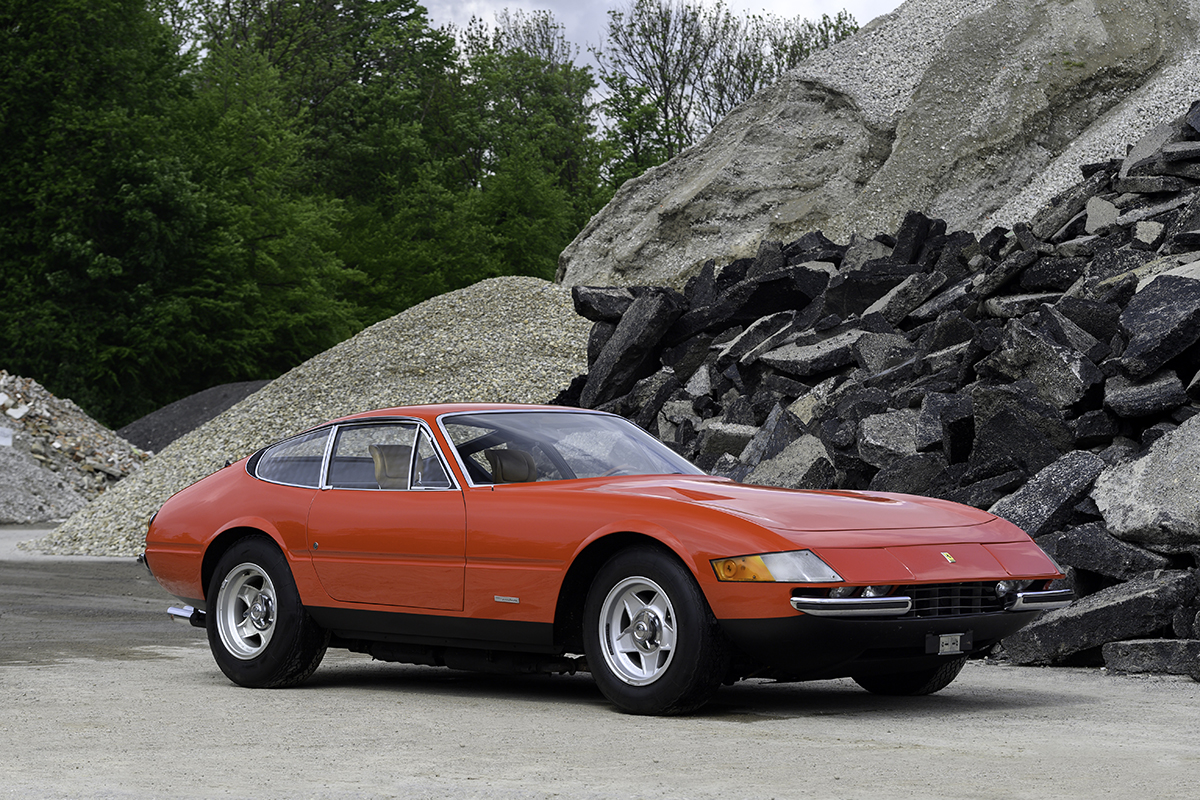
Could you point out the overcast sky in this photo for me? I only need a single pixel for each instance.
(585, 20)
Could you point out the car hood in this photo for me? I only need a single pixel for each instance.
(811, 511)
(868, 537)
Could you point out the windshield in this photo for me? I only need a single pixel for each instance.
(523, 446)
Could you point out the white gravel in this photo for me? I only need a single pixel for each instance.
(889, 56)
(53, 456)
(1161, 99)
(513, 339)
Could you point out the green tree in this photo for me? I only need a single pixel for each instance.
(530, 102)
(268, 257)
(93, 213)
(151, 234)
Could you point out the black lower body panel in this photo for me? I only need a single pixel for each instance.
(435, 630)
(807, 647)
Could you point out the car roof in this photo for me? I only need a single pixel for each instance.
(431, 412)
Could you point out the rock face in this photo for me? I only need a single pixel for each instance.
(1010, 371)
(974, 111)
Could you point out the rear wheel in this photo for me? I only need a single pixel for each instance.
(652, 643)
(926, 681)
(259, 633)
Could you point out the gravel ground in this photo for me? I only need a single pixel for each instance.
(513, 339)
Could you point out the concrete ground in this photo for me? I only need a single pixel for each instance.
(105, 697)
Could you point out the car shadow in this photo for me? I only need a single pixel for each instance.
(745, 702)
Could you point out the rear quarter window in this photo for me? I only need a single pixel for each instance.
(296, 462)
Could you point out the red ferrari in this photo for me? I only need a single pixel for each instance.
(543, 539)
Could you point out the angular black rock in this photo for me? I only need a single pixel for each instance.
(1143, 606)
(601, 303)
(1093, 548)
(1047, 501)
(635, 343)
(1161, 321)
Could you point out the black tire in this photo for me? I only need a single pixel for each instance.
(259, 633)
(912, 684)
(672, 656)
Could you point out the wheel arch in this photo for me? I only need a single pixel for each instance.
(568, 613)
(222, 542)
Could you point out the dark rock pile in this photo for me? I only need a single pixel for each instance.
(1049, 373)
(159, 428)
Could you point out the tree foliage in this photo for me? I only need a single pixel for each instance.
(673, 69)
(201, 191)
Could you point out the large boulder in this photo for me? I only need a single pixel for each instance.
(1130, 610)
(974, 111)
(1156, 498)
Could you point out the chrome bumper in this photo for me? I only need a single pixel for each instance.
(899, 606)
(853, 606)
(1042, 601)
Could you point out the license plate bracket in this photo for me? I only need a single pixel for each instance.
(949, 644)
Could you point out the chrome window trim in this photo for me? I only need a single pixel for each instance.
(331, 436)
(420, 425)
(262, 451)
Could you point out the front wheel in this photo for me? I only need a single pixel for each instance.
(259, 633)
(926, 681)
(651, 641)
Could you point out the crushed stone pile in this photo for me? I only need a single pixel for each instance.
(511, 339)
(53, 456)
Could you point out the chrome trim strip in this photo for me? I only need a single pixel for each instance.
(1041, 601)
(420, 425)
(853, 606)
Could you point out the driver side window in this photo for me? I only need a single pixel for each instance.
(373, 457)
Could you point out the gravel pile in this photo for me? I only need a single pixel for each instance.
(1165, 97)
(512, 339)
(159, 428)
(891, 55)
(53, 456)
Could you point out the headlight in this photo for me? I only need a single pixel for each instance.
(798, 566)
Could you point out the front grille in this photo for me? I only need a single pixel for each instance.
(952, 599)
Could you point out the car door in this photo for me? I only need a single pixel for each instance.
(388, 526)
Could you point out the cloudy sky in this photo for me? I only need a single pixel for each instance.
(585, 20)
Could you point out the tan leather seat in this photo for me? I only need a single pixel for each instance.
(392, 464)
(511, 466)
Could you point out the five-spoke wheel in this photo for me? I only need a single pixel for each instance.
(245, 612)
(651, 640)
(259, 632)
(637, 628)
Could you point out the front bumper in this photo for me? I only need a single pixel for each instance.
(813, 647)
(899, 606)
